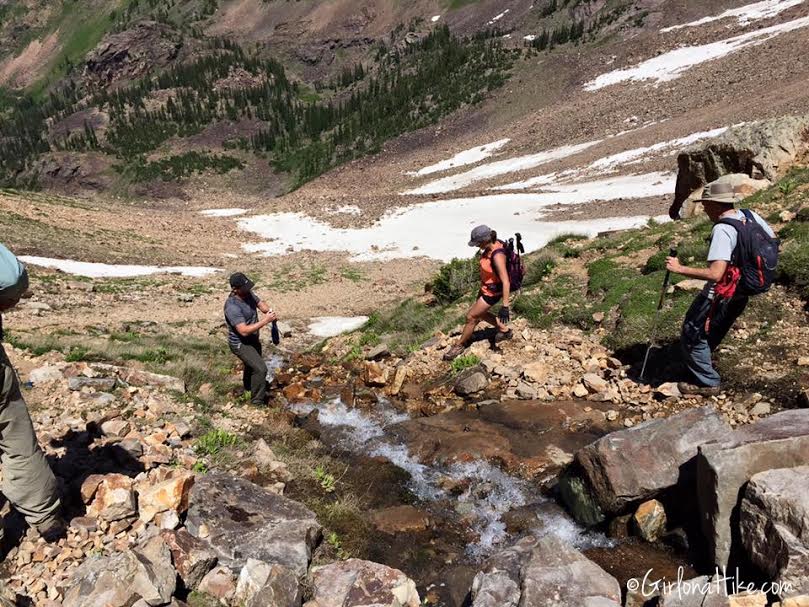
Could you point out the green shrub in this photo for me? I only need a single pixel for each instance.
(464, 362)
(456, 279)
(539, 266)
(212, 442)
(793, 265)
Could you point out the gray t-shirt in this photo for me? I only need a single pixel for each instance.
(238, 311)
(724, 239)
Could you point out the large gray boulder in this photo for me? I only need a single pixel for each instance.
(724, 467)
(636, 464)
(775, 526)
(758, 149)
(240, 520)
(358, 583)
(543, 572)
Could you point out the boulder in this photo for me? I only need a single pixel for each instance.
(45, 374)
(219, 583)
(594, 383)
(155, 579)
(774, 519)
(536, 372)
(471, 381)
(759, 150)
(724, 466)
(358, 583)
(537, 568)
(114, 498)
(169, 495)
(240, 520)
(263, 585)
(649, 520)
(103, 384)
(697, 592)
(638, 463)
(192, 557)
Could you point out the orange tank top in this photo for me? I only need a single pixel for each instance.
(489, 280)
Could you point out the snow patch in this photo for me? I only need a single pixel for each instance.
(501, 167)
(623, 186)
(530, 37)
(466, 157)
(104, 270)
(497, 18)
(223, 212)
(435, 18)
(743, 14)
(671, 65)
(329, 326)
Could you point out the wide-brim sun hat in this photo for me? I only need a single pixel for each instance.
(722, 193)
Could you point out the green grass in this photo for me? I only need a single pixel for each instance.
(793, 266)
(213, 442)
(464, 362)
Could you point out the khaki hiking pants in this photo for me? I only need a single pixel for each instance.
(28, 482)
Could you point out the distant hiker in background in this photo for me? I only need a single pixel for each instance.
(241, 316)
(495, 284)
(741, 262)
(28, 482)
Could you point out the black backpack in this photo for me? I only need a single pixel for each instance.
(515, 266)
(756, 255)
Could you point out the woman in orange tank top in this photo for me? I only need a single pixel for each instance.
(494, 286)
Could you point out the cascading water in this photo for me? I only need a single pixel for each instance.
(489, 492)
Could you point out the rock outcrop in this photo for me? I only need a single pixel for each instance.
(542, 571)
(698, 592)
(761, 150)
(638, 463)
(357, 583)
(240, 520)
(774, 518)
(723, 468)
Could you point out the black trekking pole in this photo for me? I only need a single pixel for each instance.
(672, 253)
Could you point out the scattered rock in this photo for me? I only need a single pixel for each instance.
(46, 374)
(104, 580)
(378, 352)
(773, 517)
(136, 377)
(595, 383)
(155, 579)
(375, 374)
(724, 466)
(748, 599)
(471, 381)
(192, 557)
(690, 284)
(220, 583)
(240, 520)
(579, 391)
(536, 372)
(669, 390)
(104, 384)
(169, 495)
(114, 498)
(263, 585)
(115, 427)
(650, 520)
(598, 317)
(357, 583)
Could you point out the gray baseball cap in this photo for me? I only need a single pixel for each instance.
(480, 235)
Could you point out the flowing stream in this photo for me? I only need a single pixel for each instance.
(488, 492)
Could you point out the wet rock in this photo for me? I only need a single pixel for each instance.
(263, 585)
(702, 591)
(639, 462)
(192, 557)
(620, 527)
(400, 519)
(649, 520)
(375, 374)
(220, 583)
(724, 466)
(357, 583)
(169, 495)
(240, 520)
(114, 498)
(537, 568)
(471, 381)
(104, 384)
(774, 519)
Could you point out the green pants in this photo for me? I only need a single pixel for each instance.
(254, 377)
(28, 482)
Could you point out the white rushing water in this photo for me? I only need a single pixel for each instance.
(490, 494)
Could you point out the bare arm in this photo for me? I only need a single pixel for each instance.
(714, 272)
(500, 266)
(244, 329)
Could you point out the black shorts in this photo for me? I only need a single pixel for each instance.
(490, 299)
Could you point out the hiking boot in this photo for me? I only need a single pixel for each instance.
(694, 390)
(454, 352)
(52, 530)
(503, 336)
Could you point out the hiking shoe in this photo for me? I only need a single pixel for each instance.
(454, 352)
(695, 390)
(503, 336)
(52, 530)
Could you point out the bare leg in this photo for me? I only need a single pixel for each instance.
(479, 311)
(494, 321)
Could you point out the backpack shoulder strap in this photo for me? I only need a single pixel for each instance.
(748, 215)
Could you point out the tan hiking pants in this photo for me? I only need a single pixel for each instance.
(28, 482)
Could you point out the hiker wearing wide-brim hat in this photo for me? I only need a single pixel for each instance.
(494, 286)
(741, 262)
(28, 482)
(244, 327)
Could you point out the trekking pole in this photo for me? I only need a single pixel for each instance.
(672, 253)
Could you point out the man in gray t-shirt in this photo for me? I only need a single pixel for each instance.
(241, 316)
(697, 343)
